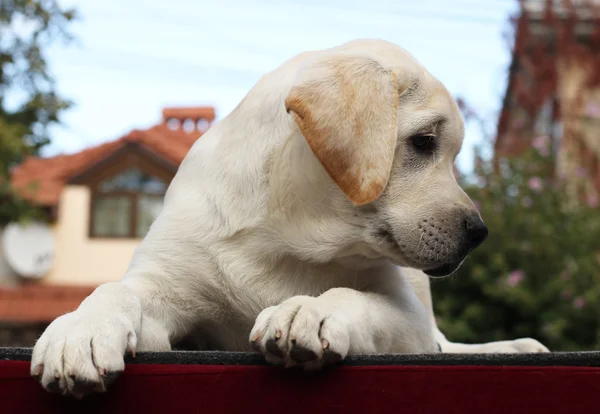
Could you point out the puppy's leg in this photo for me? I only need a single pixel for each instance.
(420, 283)
(82, 351)
(314, 331)
(521, 345)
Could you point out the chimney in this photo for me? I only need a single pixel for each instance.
(189, 119)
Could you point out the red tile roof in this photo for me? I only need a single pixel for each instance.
(40, 303)
(41, 179)
(194, 113)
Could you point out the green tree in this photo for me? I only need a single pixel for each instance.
(29, 103)
(538, 273)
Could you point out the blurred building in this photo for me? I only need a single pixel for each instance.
(101, 202)
(554, 86)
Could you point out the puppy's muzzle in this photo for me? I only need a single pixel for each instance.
(475, 233)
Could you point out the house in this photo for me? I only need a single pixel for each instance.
(554, 87)
(101, 201)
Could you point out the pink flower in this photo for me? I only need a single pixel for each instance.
(527, 202)
(541, 144)
(579, 302)
(593, 110)
(581, 172)
(562, 176)
(518, 123)
(515, 277)
(535, 183)
(592, 200)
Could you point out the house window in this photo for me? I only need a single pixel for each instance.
(126, 204)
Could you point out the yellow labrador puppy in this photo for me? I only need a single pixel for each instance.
(288, 225)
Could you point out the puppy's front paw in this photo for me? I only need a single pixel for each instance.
(301, 331)
(81, 353)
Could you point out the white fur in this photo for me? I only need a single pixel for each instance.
(255, 240)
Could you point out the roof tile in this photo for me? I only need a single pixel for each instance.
(41, 180)
(40, 303)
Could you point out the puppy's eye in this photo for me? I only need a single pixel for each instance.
(423, 143)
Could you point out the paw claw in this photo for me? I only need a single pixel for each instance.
(37, 372)
(255, 344)
(83, 387)
(330, 357)
(272, 348)
(54, 387)
(131, 343)
(302, 355)
(110, 377)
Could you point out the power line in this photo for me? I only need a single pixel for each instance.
(455, 15)
(461, 15)
(445, 14)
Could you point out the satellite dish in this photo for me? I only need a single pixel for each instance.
(29, 249)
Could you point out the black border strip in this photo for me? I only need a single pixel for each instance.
(575, 359)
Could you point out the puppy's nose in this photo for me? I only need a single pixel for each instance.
(477, 231)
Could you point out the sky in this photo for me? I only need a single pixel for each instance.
(132, 58)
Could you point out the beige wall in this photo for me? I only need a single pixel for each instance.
(578, 127)
(79, 259)
(7, 276)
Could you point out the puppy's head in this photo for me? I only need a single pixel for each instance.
(387, 133)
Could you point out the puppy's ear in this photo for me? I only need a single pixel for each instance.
(346, 107)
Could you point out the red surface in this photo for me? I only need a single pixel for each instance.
(373, 389)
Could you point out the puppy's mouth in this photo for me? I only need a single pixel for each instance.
(384, 234)
(443, 270)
